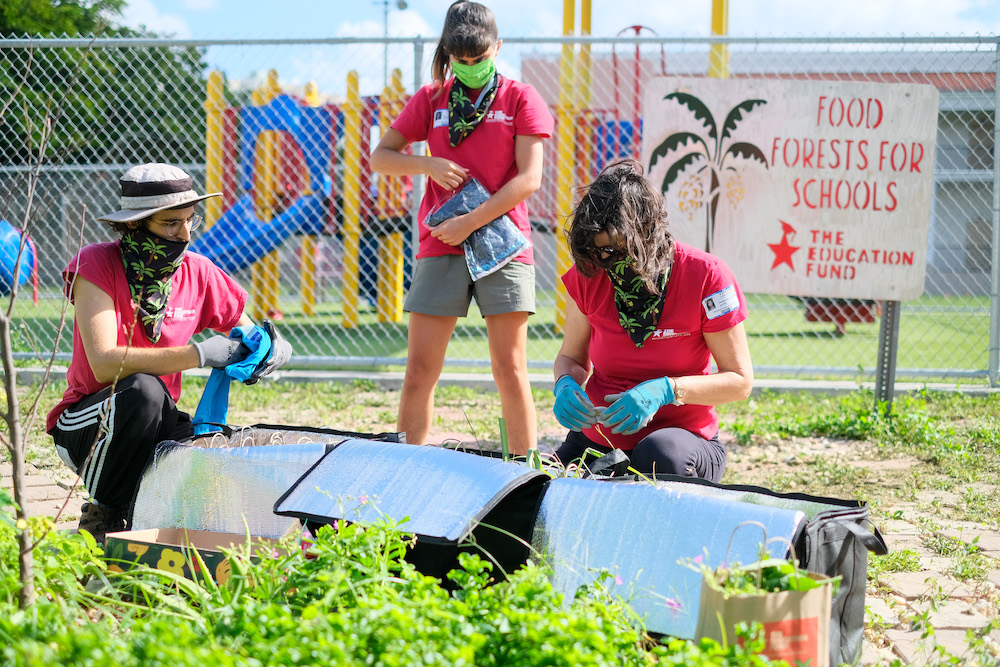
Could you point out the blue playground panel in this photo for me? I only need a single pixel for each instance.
(10, 241)
(240, 237)
(604, 141)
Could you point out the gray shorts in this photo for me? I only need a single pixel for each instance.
(442, 286)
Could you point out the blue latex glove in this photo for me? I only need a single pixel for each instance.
(631, 411)
(573, 408)
(213, 408)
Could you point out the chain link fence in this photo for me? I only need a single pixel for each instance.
(283, 128)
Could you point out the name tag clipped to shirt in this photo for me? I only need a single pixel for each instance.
(441, 118)
(721, 302)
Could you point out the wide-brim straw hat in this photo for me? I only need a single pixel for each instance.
(148, 188)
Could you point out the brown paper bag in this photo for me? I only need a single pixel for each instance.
(796, 623)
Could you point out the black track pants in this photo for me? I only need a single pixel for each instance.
(122, 429)
(674, 451)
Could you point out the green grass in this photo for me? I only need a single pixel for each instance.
(945, 333)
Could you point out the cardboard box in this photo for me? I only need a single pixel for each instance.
(171, 549)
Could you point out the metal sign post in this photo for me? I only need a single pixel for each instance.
(888, 343)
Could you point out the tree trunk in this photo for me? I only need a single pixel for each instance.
(26, 597)
(711, 210)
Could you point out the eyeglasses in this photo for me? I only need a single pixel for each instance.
(173, 227)
(604, 254)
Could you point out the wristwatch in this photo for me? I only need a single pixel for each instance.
(679, 391)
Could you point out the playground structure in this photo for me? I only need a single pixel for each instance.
(291, 166)
(293, 160)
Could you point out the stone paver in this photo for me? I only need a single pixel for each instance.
(913, 585)
(952, 606)
(952, 614)
(989, 542)
(44, 496)
(898, 528)
(879, 611)
(914, 650)
(905, 542)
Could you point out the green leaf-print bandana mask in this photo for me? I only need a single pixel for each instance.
(638, 308)
(464, 114)
(150, 263)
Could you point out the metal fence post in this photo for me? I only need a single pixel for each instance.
(418, 149)
(888, 343)
(994, 370)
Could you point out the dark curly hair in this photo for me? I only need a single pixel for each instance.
(123, 228)
(469, 29)
(624, 204)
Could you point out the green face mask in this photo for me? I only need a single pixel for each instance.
(474, 76)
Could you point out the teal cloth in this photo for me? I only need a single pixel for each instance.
(213, 408)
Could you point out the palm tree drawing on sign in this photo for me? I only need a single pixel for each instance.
(716, 155)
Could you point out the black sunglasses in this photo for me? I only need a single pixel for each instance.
(605, 254)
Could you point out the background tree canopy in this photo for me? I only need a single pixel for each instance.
(109, 104)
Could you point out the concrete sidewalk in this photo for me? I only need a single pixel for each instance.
(393, 380)
(47, 493)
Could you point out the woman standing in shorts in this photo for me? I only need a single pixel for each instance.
(478, 124)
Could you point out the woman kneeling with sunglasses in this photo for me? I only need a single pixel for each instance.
(645, 317)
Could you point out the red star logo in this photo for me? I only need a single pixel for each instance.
(784, 250)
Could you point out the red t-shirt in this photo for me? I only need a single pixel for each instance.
(202, 297)
(702, 296)
(487, 153)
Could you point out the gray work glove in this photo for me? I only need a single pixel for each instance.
(220, 351)
(281, 352)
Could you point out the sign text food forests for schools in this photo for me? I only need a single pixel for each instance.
(810, 188)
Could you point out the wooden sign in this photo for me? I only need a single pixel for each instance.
(808, 188)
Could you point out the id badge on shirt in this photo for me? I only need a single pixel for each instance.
(722, 302)
(441, 118)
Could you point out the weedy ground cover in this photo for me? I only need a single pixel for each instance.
(346, 599)
(933, 464)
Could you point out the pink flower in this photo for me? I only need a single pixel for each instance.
(363, 499)
(673, 605)
(698, 558)
(618, 580)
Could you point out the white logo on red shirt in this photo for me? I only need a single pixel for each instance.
(498, 116)
(180, 313)
(663, 334)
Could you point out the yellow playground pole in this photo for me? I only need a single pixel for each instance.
(585, 77)
(215, 105)
(718, 55)
(271, 261)
(392, 202)
(307, 277)
(565, 153)
(263, 211)
(352, 200)
(583, 116)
